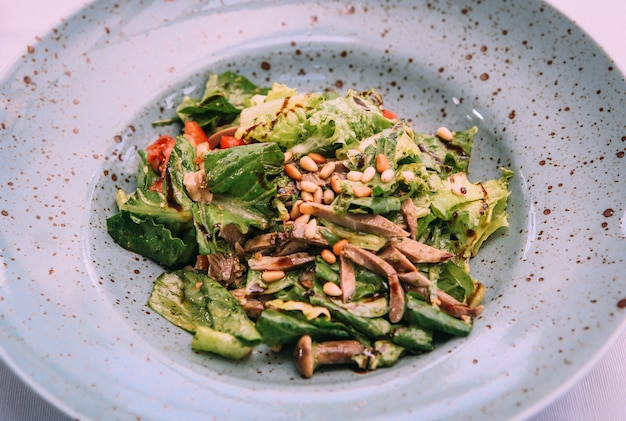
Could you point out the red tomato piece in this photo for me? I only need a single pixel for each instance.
(158, 153)
(390, 115)
(158, 185)
(230, 141)
(194, 133)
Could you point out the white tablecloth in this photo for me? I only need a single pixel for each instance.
(599, 395)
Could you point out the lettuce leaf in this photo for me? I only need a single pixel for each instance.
(312, 122)
(225, 95)
(147, 237)
(193, 301)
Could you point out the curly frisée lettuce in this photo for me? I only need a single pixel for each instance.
(311, 221)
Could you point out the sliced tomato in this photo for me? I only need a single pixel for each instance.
(230, 141)
(158, 153)
(158, 185)
(194, 133)
(390, 115)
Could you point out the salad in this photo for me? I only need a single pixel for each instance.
(316, 221)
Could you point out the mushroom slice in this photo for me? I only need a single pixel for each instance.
(251, 305)
(309, 355)
(421, 253)
(372, 224)
(224, 268)
(376, 264)
(395, 258)
(451, 305)
(407, 272)
(264, 242)
(290, 261)
(291, 247)
(410, 214)
(347, 278)
(414, 278)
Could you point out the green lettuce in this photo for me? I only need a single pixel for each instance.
(197, 303)
(312, 122)
(225, 95)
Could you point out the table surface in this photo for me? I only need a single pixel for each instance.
(599, 395)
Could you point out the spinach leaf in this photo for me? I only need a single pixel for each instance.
(147, 237)
(190, 299)
(221, 103)
(279, 328)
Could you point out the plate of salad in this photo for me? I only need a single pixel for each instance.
(311, 217)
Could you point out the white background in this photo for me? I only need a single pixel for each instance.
(599, 395)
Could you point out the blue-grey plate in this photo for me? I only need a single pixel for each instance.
(75, 108)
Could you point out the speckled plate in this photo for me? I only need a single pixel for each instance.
(77, 105)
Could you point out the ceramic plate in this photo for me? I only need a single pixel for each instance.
(75, 108)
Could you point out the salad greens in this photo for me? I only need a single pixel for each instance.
(315, 220)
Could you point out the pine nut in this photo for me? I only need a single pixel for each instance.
(288, 156)
(354, 175)
(329, 196)
(444, 133)
(272, 275)
(362, 191)
(387, 176)
(328, 256)
(327, 170)
(306, 196)
(335, 184)
(408, 175)
(307, 163)
(309, 186)
(332, 289)
(339, 245)
(317, 158)
(318, 195)
(382, 163)
(305, 208)
(293, 172)
(295, 210)
(368, 175)
(303, 218)
(311, 229)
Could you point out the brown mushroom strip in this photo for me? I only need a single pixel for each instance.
(407, 272)
(264, 242)
(291, 247)
(290, 261)
(372, 224)
(347, 278)
(231, 234)
(421, 253)
(451, 305)
(374, 263)
(251, 305)
(223, 267)
(410, 214)
(414, 278)
(395, 258)
(308, 355)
